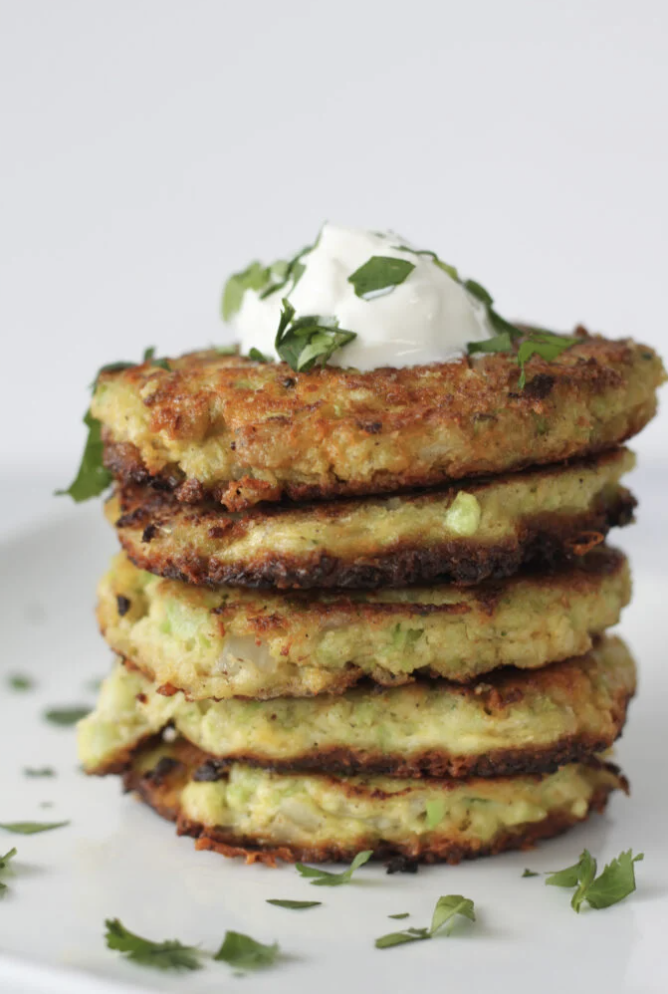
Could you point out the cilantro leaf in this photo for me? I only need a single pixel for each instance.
(323, 878)
(162, 364)
(39, 771)
(31, 827)
(545, 344)
(499, 343)
(530, 873)
(7, 858)
(19, 681)
(399, 938)
(306, 340)
(446, 910)
(242, 951)
(478, 291)
(586, 874)
(294, 905)
(287, 272)
(253, 277)
(381, 272)
(571, 875)
(259, 356)
(66, 716)
(92, 477)
(169, 955)
(119, 367)
(616, 881)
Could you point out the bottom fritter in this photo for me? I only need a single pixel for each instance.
(266, 816)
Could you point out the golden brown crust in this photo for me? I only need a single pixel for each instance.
(162, 794)
(333, 432)
(183, 542)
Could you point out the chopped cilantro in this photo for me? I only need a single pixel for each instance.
(66, 716)
(381, 272)
(293, 905)
(259, 356)
(615, 883)
(323, 878)
(243, 952)
(303, 341)
(31, 827)
(169, 955)
(446, 910)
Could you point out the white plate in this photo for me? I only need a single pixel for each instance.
(118, 859)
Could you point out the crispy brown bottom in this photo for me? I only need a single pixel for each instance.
(161, 788)
(350, 762)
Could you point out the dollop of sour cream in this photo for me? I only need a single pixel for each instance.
(430, 317)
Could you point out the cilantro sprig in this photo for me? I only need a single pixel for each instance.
(254, 277)
(284, 272)
(615, 883)
(168, 955)
(323, 878)
(264, 280)
(303, 341)
(445, 913)
(93, 477)
(237, 949)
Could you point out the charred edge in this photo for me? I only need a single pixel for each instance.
(401, 864)
(547, 541)
(211, 770)
(162, 770)
(434, 764)
(123, 605)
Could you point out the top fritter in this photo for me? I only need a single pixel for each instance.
(395, 373)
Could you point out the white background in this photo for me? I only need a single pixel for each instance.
(148, 147)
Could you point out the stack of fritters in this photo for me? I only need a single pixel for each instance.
(368, 610)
